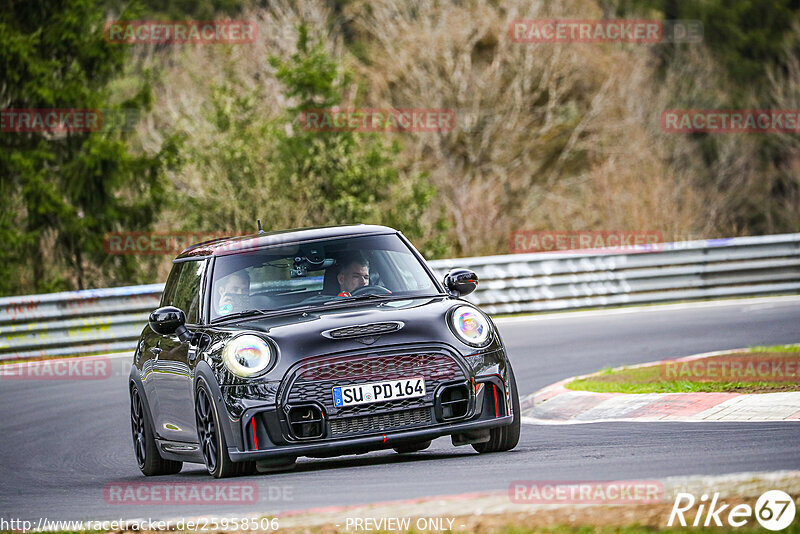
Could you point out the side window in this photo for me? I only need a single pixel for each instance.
(172, 282)
(187, 290)
(406, 265)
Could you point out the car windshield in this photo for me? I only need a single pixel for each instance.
(317, 273)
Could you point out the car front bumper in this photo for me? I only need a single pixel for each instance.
(356, 445)
(488, 410)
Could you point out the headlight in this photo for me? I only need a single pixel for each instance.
(246, 355)
(470, 325)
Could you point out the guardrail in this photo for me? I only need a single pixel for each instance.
(75, 322)
(109, 320)
(741, 266)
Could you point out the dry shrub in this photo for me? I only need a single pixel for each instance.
(550, 136)
(195, 79)
(785, 90)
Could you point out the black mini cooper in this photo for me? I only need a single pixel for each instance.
(314, 342)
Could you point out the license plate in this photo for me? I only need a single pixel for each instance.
(406, 388)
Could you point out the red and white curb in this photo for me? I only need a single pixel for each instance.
(556, 405)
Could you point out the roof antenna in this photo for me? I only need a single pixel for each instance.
(260, 231)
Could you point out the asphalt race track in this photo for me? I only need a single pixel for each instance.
(61, 442)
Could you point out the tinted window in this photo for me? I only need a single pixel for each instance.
(186, 294)
(308, 274)
(172, 281)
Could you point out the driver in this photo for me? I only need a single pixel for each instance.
(234, 293)
(353, 274)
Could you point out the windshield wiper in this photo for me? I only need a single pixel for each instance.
(353, 299)
(265, 313)
(239, 315)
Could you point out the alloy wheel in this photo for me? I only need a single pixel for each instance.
(207, 429)
(137, 428)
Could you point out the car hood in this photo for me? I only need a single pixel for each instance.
(300, 335)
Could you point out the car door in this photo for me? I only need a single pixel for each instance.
(177, 360)
(150, 352)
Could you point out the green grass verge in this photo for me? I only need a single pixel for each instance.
(794, 528)
(680, 378)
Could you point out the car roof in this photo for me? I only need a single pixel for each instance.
(247, 243)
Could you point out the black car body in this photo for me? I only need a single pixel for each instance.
(194, 400)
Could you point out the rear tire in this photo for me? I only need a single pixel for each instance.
(145, 448)
(504, 438)
(212, 439)
(406, 448)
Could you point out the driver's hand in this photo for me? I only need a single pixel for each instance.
(225, 305)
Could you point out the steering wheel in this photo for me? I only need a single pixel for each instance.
(371, 290)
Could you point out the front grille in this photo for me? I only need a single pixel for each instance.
(369, 368)
(359, 330)
(314, 381)
(370, 424)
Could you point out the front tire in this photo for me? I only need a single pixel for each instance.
(504, 438)
(145, 448)
(212, 439)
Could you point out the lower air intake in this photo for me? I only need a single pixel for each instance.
(454, 402)
(381, 423)
(306, 422)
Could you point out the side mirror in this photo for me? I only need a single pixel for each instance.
(170, 320)
(460, 282)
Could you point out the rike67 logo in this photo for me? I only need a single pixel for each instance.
(774, 510)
